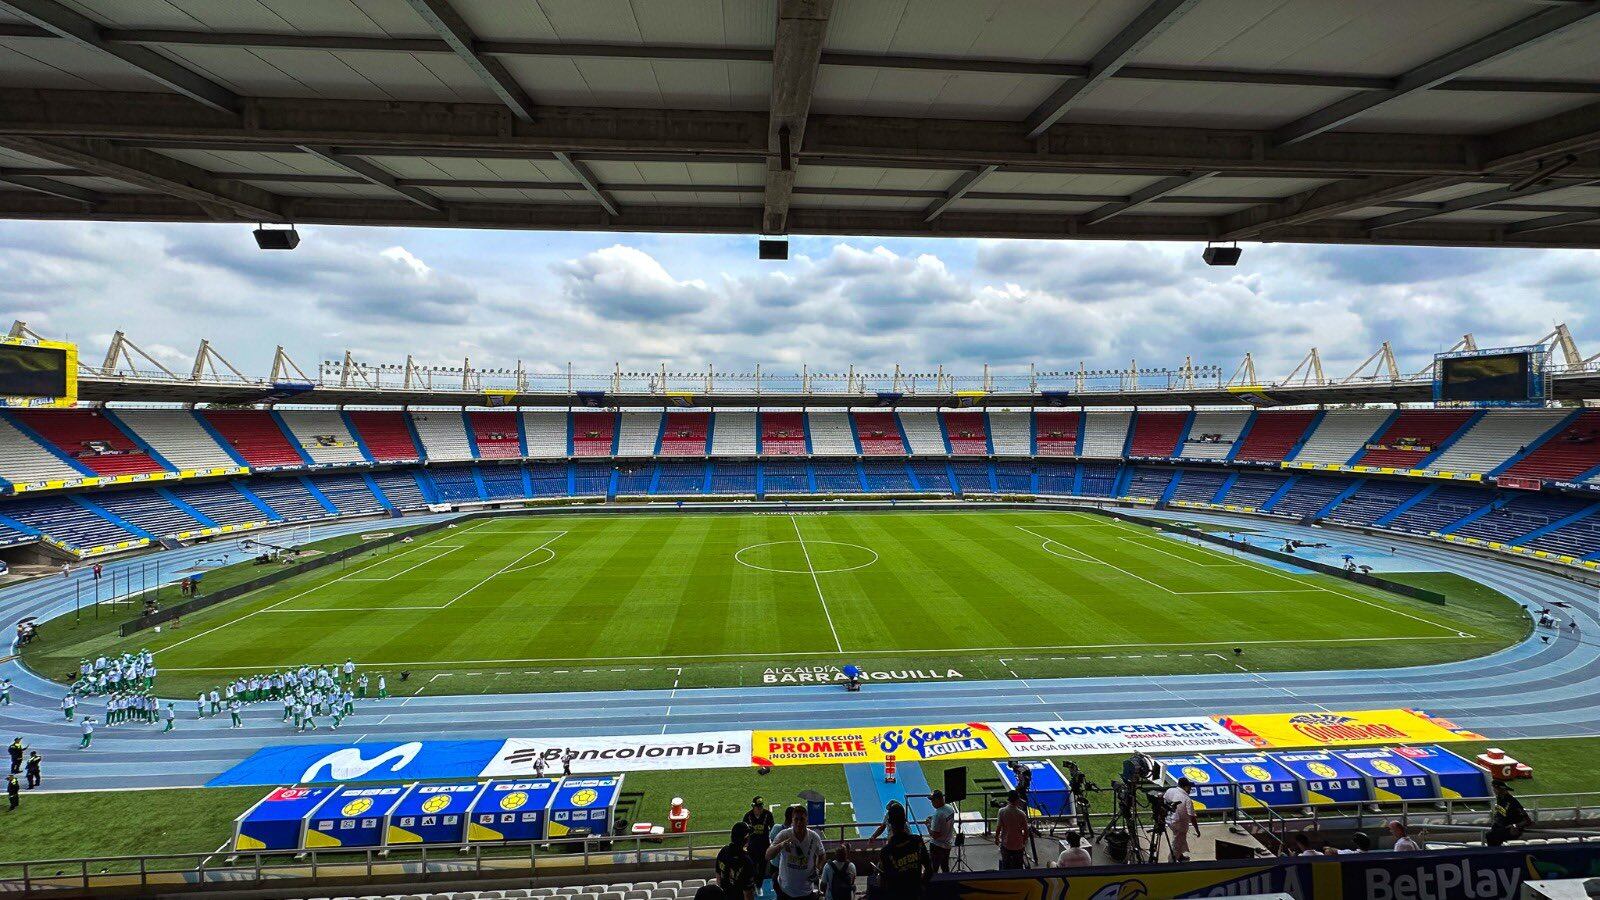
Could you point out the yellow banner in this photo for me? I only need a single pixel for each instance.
(1332, 729)
(907, 743)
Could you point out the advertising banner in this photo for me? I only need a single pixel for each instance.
(1331, 729)
(1179, 734)
(907, 743)
(696, 750)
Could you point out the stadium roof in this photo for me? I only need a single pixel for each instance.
(1450, 122)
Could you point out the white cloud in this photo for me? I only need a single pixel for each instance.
(690, 301)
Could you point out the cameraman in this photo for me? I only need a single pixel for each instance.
(1180, 818)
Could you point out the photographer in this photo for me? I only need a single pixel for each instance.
(1072, 853)
(1180, 818)
(799, 853)
(1011, 833)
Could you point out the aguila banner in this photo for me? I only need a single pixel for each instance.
(907, 743)
(1332, 729)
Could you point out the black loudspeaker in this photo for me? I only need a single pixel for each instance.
(773, 249)
(955, 784)
(1222, 256)
(277, 238)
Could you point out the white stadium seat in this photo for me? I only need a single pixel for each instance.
(830, 433)
(443, 433)
(547, 433)
(922, 432)
(1340, 435)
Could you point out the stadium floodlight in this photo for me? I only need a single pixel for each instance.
(773, 248)
(277, 238)
(1222, 256)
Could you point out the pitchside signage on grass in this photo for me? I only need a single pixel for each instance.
(514, 758)
(1330, 729)
(907, 743)
(698, 750)
(1175, 735)
(379, 761)
(834, 674)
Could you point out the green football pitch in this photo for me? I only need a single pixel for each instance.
(650, 600)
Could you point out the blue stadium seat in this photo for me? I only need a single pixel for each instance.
(1374, 500)
(933, 476)
(593, 479)
(454, 484)
(1444, 506)
(679, 478)
(548, 479)
(348, 493)
(887, 476)
(1199, 485)
(289, 498)
(1521, 514)
(787, 476)
(1310, 494)
(836, 476)
(502, 482)
(1099, 478)
(67, 522)
(148, 510)
(733, 478)
(634, 478)
(972, 476)
(1056, 478)
(1253, 489)
(1149, 482)
(220, 502)
(1013, 476)
(400, 486)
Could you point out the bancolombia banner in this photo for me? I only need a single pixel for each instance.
(1182, 734)
(1472, 874)
(694, 750)
(907, 743)
(1332, 729)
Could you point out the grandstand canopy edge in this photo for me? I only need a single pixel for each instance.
(851, 117)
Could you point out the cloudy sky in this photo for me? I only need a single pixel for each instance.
(642, 300)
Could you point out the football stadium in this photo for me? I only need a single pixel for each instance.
(314, 614)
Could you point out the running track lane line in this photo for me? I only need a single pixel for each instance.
(814, 580)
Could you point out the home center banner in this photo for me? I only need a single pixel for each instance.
(1183, 734)
(907, 743)
(1330, 729)
(695, 750)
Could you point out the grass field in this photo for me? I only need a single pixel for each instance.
(518, 603)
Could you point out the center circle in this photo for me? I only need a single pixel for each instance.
(807, 558)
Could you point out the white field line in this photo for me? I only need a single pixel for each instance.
(450, 548)
(815, 581)
(824, 652)
(1302, 579)
(308, 590)
(1142, 545)
(503, 570)
(1094, 559)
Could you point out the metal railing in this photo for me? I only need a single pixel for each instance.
(584, 856)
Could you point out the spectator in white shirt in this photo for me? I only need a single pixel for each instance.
(1072, 855)
(799, 853)
(1402, 841)
(941, 832)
